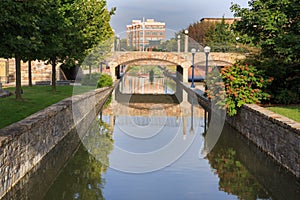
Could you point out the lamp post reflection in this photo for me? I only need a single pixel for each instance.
(193, 67)
(192, 116)
(205, 122)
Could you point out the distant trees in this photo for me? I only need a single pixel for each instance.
(217, 35)
(54, 31)
(199, 31)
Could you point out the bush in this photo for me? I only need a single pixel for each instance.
(104, 81)
(90, 79)
(237, 85)
(286, 96)
(285, 88)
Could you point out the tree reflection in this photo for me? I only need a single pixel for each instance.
(234, 177)
(81, 178)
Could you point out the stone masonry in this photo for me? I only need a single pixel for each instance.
(24, 144)
(275, 134)
(40, 71)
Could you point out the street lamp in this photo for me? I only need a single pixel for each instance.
(193, 67)
(206, 51)
(178, 43)
(186, 41)
(237, 40)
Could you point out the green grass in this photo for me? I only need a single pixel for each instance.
(34, 99)
(292, 112)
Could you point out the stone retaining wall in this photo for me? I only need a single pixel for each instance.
(275, 134)
(24, 144)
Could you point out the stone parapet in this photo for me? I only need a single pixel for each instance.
(24, 144)
(275, 134)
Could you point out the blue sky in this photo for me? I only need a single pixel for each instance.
(177, 14)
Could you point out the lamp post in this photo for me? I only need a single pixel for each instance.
(193, 67)
(118, 43)
(206, 51)
(186, 41)
(178, 43)
(237, 40)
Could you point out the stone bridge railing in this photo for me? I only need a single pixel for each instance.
(173, 58)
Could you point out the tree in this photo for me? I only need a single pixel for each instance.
(19, 32)
(274, 26)
(72, 28)
(220, 37)
(198, 31)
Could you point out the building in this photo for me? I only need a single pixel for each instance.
(145, 34)
(219, 20)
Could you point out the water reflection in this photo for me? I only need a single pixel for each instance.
(80, 179)
(230, 171)
(234, 169)
(248, 173)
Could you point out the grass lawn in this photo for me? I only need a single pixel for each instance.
(34, 99)
(292, 112)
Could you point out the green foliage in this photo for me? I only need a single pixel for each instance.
(54, 31)
(105, 81)
(218, 35)
(199, 31)
(237, 85)
(90, 79)
(20, 32)
(220, 38)
(234, 176)
(285, 88)
(272, 25)
(286, 97)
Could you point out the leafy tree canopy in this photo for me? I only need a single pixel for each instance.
(272, 25)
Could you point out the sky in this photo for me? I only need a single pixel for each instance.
(177, 14)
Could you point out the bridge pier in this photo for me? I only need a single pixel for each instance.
(182, 73)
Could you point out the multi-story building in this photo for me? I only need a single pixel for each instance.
(145, 34)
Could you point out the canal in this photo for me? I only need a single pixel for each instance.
(149, 142)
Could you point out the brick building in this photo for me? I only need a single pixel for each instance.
(145, 34)
(219, 20)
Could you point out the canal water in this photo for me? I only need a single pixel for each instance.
(149, 143)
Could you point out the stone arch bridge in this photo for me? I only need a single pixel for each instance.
(183, 61)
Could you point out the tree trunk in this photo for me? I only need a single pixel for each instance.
(18, 78)
(53, 63)
(29, 74)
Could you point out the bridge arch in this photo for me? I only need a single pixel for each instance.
(121, 58)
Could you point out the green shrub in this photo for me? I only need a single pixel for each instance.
(237, 85)
(90, 79)
(286, 96)
(104, 81)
